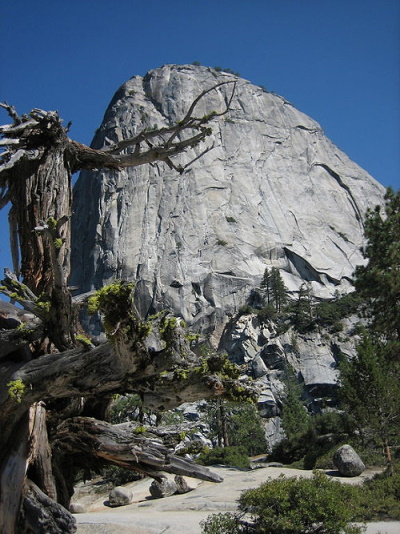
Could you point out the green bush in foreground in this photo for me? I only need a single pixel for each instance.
(380, 498)
(293, 506)
(310, 506)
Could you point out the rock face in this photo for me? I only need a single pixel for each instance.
(273, 192)
(347, 461)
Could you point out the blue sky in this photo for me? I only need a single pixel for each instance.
(336, 60)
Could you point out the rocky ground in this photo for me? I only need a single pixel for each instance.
(180, 514)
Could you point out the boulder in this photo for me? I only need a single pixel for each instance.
(182, 485)
(347, 462)
(162, 489)
(77, 508)
(120, 496)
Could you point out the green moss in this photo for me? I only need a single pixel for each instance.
(192, 337)
(83, 340)
(44, 303)
(140, 430)
(16, 390)
(181, 374)
(58, 243)
(24, 330)
(115, 302)
(168, 332)
(51, 223)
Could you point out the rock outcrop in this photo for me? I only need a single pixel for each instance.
(274, 191)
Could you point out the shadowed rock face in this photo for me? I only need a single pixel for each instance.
(273, 192)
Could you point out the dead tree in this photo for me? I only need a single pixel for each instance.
(54, 383)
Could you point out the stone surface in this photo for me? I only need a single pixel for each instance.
(274, 191)
(267, 354)
(347, 462)
(120, 496)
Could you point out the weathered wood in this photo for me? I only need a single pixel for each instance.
(118, 445)
(39, 459)
(12, 475)
(40, 514)
(36, 164)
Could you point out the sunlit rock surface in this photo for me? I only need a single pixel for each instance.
(274, 191)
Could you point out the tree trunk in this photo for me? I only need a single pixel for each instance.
(40, 514)
(12, 475)
(36, 162)
(224, 424)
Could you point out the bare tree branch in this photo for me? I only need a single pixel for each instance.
(118, 445)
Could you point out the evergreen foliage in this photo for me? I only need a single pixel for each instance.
(295, 418)
(275, 288)
(370, 391)
(236, 425)
(378, 282)
(316, 505)
(293, 506)
(370, 380)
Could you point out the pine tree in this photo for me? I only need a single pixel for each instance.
(370, 380)
(275, 289)
(295, 419)
(278, 289)
(266, 284)
(303, 316)
(379, 281)
(370, 391)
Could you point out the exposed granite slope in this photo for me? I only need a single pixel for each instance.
(273, 192)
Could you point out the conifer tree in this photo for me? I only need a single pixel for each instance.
(278, 289)
(379, 281)
(370, 380)
(275, 288)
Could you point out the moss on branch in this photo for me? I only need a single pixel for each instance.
(115, 303)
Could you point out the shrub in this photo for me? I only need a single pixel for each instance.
(226, 523)
(233, 456)
(291, 505)
(294, 506)
(118, 476)
(382, 499)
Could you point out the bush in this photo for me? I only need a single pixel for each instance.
(234, 456)
(382, 500)
(118, 476)
(226, 523)
(295, 506)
